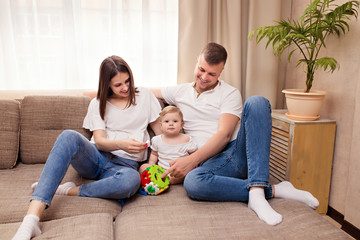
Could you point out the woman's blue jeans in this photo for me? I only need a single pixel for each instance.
(243, 163)
(117, 178)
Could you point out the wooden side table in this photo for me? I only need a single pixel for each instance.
(302, 152)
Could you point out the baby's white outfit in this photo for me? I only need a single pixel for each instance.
(168, 153)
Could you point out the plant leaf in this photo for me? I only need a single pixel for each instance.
(325, 63)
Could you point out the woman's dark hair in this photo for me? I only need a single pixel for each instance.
(108, 69)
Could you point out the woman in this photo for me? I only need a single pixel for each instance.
(118, 118)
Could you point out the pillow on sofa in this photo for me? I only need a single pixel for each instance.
(9, 132)
(43, 118)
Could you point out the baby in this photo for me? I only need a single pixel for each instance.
(171, 144)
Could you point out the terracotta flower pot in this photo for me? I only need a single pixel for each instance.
(303, 106)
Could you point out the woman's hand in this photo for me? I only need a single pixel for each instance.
(131, 145)
(128, 144)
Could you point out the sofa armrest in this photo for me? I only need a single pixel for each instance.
(9, 132)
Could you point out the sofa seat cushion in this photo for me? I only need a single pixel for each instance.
(87, 227)
(9, 132)
(43, 118)
(15, 189)
(172, 215)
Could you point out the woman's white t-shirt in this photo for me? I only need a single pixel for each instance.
(130, 122)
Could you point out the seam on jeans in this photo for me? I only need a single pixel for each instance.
(220, 166)
(249, 174)
(121, 166)
(250, 184)
(100, 168)
(246, 142)
(229, 158)
(270, 192)
(234, 161)
(124, 162)
(263, 184)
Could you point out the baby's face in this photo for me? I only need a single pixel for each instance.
(171, 124)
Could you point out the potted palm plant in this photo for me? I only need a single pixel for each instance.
(307, 35)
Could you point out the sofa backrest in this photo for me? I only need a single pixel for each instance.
(43, 118)
(9, 132)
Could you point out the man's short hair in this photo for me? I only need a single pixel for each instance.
(214, 53)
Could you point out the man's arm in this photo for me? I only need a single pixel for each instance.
(157, 93)
(155, 126)
(226, 126)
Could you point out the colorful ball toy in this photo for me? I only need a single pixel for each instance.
(152, 182)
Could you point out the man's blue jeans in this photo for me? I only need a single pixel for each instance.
(243, 163)
(117, 178)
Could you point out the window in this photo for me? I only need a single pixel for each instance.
(60, 44)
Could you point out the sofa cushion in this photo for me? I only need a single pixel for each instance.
(172, 215)
(15, 192)
(9, 132)
(93, 226)
(43, 118)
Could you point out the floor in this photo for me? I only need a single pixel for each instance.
(335, 223)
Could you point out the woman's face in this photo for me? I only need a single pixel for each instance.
(120, 85)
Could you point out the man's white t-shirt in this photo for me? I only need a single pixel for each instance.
(167, 152)
(130, 122)
(202, 113)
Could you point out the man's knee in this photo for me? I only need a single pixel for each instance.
(257, 101)
(193, 184)
(257, 106)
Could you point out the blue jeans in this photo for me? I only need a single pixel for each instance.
(117, 178)
(243, 163)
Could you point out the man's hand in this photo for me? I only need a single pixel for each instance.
(180, 167)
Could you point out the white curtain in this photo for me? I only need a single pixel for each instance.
(250, 68)
(204, 21)
(60, 44)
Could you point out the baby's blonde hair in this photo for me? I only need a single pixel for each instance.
(171, 109)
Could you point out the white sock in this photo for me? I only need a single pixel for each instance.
(29, 228)
(262, 208)
(63, 189)
(286, 190)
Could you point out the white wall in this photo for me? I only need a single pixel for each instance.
(343, 105)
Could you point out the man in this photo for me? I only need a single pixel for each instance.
(232, 162)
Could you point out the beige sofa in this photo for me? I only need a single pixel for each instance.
(28, 129)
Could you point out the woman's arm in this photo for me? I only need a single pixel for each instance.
(128, 144)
